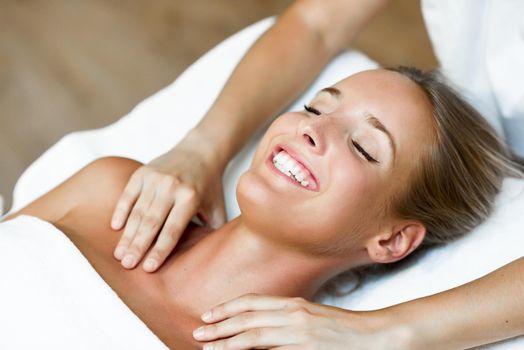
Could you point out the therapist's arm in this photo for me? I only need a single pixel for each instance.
(279, 66)
(483, 311)
(480, 312)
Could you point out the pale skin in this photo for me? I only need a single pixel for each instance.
(273, 247)
(287, 58)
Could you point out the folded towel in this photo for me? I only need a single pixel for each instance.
(52, 298)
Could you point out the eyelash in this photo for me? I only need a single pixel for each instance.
(364, 153)
(311, 110)
(355, 144)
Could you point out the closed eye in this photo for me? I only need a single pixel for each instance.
(364, 153)
(311, 110)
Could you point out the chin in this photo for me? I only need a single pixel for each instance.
(266, 211)
(255, 199)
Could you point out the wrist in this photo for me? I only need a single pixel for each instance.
(393, 329)
(213, 149)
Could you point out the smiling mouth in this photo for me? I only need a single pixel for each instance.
(286, 162)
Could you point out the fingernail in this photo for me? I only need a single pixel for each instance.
(150, 264)
(115, 224)
(119, 252)
(129, 261)
(198, 333)
(207, 316)
(209, 346)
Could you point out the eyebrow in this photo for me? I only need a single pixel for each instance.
(371, 119)
(332, 91)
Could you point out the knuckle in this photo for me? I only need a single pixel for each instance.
(159, 253)
(136, 247)
(124, 241)
(167, 181)
(299, 300)
(254, 334)
(173, 231)
(190, 193)
(301, 315)
(294, 303)
(137, 213)
(151, 221)
(245, 318)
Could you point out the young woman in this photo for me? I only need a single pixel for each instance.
(282, 63)
(376, 166)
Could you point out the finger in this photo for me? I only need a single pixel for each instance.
(127, 200)
(217, 215)
(176, 222)
(152, 220)
(257, 338)
(249, 302)
(241, 323)
(133, 223)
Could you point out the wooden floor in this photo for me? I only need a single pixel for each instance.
(72, 65)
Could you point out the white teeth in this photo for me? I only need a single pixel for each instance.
(288, 166)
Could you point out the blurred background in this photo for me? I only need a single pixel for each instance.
(69, 65)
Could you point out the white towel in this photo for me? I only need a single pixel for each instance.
(52, 298)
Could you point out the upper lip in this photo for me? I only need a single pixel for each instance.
(289, 150)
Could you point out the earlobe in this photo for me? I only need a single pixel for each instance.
(396, 244)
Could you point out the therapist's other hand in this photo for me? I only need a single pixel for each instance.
(258, 322)
(161, 198)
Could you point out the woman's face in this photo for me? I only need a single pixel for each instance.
(339, 161)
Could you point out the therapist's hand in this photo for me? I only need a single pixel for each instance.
(259, 322)
(161, 198)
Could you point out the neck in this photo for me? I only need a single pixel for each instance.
(235, 260)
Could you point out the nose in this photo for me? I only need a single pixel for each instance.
(316, 133)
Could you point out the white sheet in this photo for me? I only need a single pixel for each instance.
(161, 120)
(52, 298)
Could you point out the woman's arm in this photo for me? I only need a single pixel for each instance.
(483, 311)
(279, 66)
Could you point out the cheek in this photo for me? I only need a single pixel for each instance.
(285, 125)
(355, 193)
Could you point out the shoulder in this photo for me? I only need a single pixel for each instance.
(105, 177)
(96, 187)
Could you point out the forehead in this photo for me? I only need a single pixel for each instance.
(382, 89)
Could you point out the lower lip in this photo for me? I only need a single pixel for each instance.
(271, 166)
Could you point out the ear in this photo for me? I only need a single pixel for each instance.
(396, 244)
